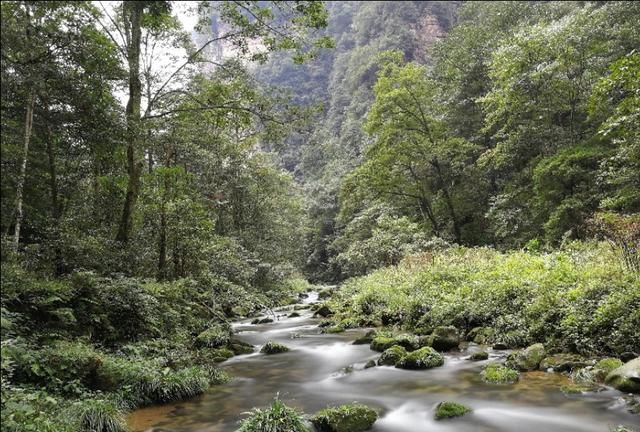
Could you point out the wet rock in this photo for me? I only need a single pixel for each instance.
(334, 329)
(626, 378)
(407, 341)
(303, 295)
(500, 346)
(255, 321)
(301, 307)
(265, 320)
(294, 315)
(274, 348)
(240, 347)
(221, 354)
(563, 362)
(366, 339)
(445, 338)
(370, 364)
(605, 366)
(627, 356)
(498, 374)
(423, 358)
(325, 294)
(478, 356)
(391, 356)
(445, 410)
(527, 359)
(326, 323)
(381, 343)
(481, 335)
(345, 418)
(324, 311)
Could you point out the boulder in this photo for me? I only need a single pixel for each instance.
(294, 315)
(346, 418)
(605, 366)
(324, 311)
(626, 378)
(445, 410)
(527, 359)
(274, 348)
(381, 343)
(497, 374)
(481, 335)
(423, 358)
(370, 364)
(265, 320)
(240, 347)
(366, 339)
(334, 329)
(500, 346)
(407, 341)
(216, 336)
(445, 338)
(391, 356)
(563, 362)
(480, 355)
(627, 356)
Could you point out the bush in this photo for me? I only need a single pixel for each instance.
(100, 415)
(277, 418)
(215, 336)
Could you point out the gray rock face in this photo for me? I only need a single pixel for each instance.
(626, 378)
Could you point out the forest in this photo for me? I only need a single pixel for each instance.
(332, 216)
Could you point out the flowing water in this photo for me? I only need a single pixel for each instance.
(326, 369)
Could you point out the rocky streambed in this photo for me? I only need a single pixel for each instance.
(322, 369)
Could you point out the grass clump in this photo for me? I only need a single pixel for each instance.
(272, 347)
(424, 358)
(498, 374)
(277, 418)
(101, 415)
(345, 418)
(215, 336)
(449, 409)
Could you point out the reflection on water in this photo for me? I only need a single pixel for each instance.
(327, 369)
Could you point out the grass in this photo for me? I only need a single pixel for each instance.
(498, 374)
(276, 418)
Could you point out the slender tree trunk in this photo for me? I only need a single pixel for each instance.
(448, 201)
(55, 205)
(162, 245)
(28, 125)
(133, 13)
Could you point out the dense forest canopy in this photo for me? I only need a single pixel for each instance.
(158, 180)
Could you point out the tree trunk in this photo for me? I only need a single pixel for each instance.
(133, 17)
(448, 201)
(28, 125)
(55, 205)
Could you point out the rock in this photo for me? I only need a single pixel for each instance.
(381, 343)
(627, 356)
(324, 311)
(423, 358)
(326, 323)
(325, 294)
(366, 339)
(334, 329)
(626, 378)
(445, 410)
(527, 359)
(500, 346)
(221, 354)
(563, 362)
(391, 356)
(573, 389)
(497, 374)
(255, 321)
(445, 338)
(265, 320)
(370, 364)
(346, 418)
(303, 295)
(274, 348)
(294, 315)
(240, 347)
(605, 366)
(407, 341)
(481, 335)
(480, 355)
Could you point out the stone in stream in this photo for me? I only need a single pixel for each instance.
(627, 356)
(381, 343)
(370, 364)
(563, 362)
(448, 409)
(626, 378)
(497, 374)
(294, 315)
(409, 342)
(424, 358)
(366, 339)
(527, 359)
(274, 348)
(391, 356)
(444, 338)
(479, 355)
(239, 347)
(345, 418)
(324, 311)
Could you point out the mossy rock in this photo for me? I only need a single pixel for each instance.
(239, 347)
(423, 358)
(274, 348)
(370, 364)
(345, 418)
(563, 362)
(294, 315)
(527, 359)
(605, 366)
(366, 339)
(498, 374)
(326, 323)
(408, 342)
(574, 389)
(479, 355)
(324, 311)
(392, 355)
(334, 329)
(214, 337)
(221, 354)
(481, 335)
(445, 338)
(626, 378)
(325, 294)
(265, 320)
(381, 343)
(448, 409)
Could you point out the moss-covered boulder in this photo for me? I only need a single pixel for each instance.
(294, 315)
(448, 409)
(445, 338)
(334, 329)
(605, 366)
(527, 359)
(324, 311)
(366, 339)
(626, 378)
(381, 343)
(423, 358)
(392, 355)
(346, 418)
(497, 374)
(479, 355)
(240, 347)
(481, 335)
(272, 347)
(215, 336)
(407, 341)
(370, 364)
(563, 362)
(221, 354)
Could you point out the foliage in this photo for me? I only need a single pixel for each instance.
(277, 418)
(353, 417)
(498, 374)
(450, 409)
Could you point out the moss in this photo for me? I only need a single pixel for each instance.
(498, 374)
(274, 348)
(346, 418)
(381, 343)
(391, 356)
(480, 355)
(424, 358)
(407, 341)
(605, 366)
(221, 354)
(572, 389)
(334, 329)
(324, 311)
(215, 336)
(449, 409)
(444, 338)
(240, 347)
(528, 359)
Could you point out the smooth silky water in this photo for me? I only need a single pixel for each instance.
(326, 369)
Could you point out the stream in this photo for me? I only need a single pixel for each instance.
(326, 369)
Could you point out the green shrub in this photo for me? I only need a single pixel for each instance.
(100, 415)
(277, 418)
(215, 336)
(32, 410)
